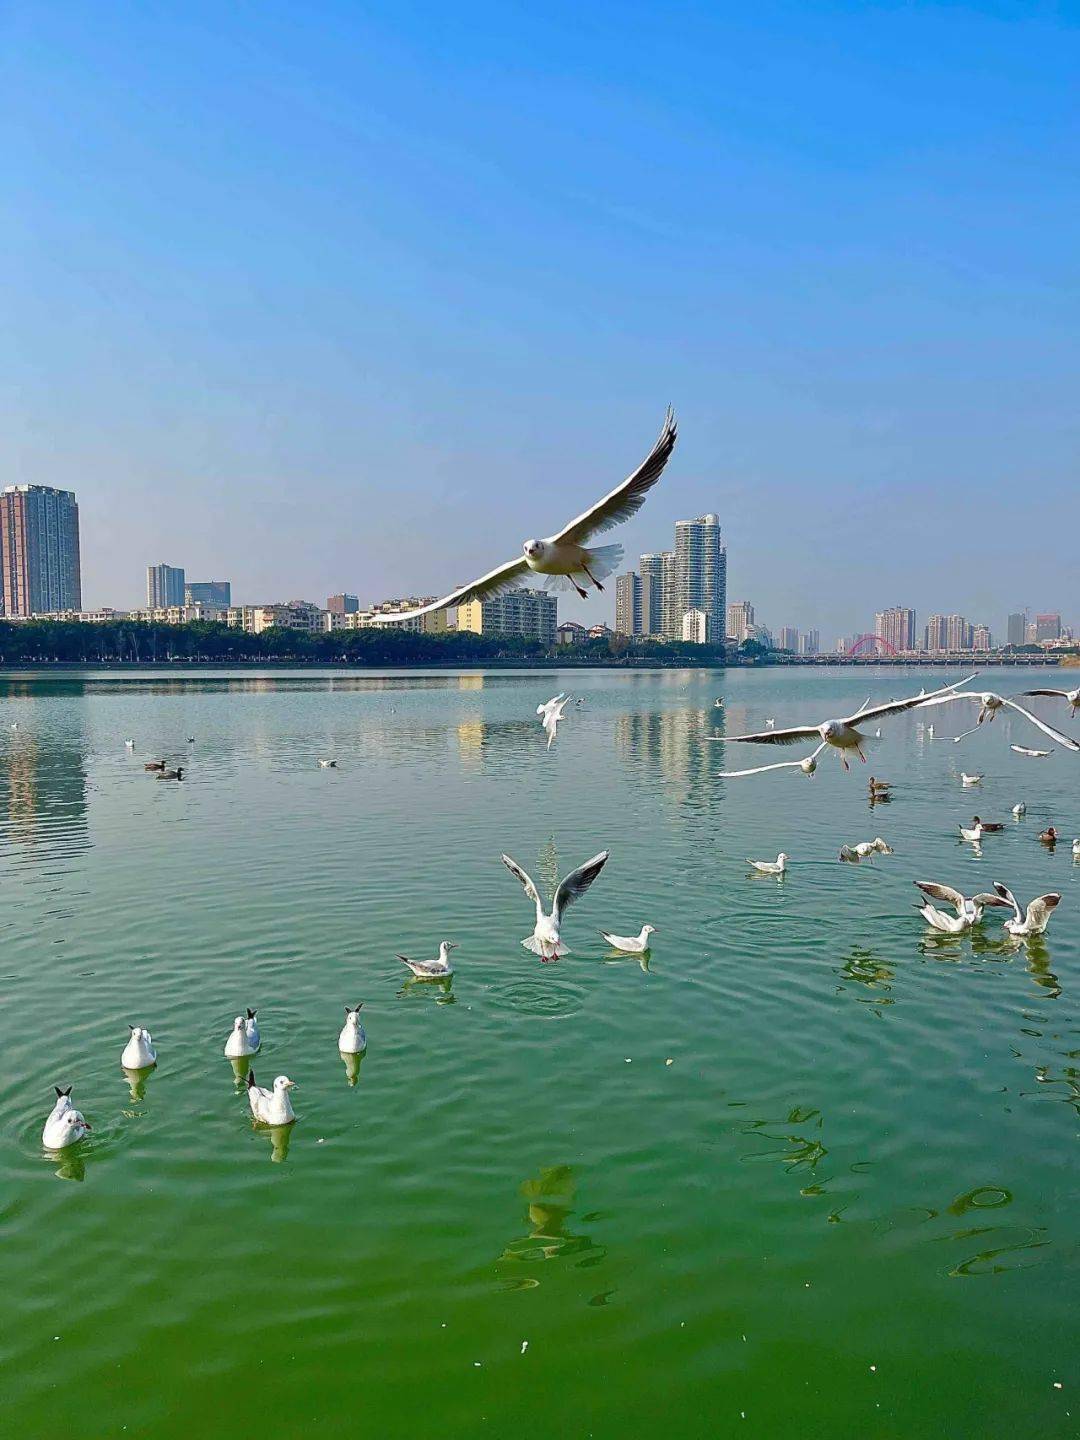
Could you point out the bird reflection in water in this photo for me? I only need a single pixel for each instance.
(798, 1150)
(439, 990)
(550, 1198)
(863, 968)
(241, 1064)
(72, 1167)
(352, 1063)
(280, 1137)
(137, 1079)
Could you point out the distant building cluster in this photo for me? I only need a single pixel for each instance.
(679, 593)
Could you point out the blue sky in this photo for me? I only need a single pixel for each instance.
(360, 296)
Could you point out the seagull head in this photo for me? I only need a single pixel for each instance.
(533, 549)
(808, 765)
(283, 1083)
(831, 729)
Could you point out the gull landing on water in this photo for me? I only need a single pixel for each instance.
(565, 561)
(865, 850)
(843, 735)
(439, 969)
(546, 940)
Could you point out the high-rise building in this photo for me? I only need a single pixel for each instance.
(670, 616)
(39, 550)
(896, 627)
(695, 627)
(810, 643)
(216, 593)
(1047, 627)
(343, 604)
(628, 589)
(164, 586)
(957, 633)
(652, 594)
(740, 621)
(531, 613)
(787, 638)
(1017, 628)
(700, 570)
(935, 636)
(981, 638)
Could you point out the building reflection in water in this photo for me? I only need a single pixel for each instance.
(550, 1201)
(673, 745)
(43, 793)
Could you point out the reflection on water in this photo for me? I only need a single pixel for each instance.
(43, 793)
(863, 968)
(280, 1137)
(137, 1079)
(550, 1197)
(352, 1064)
(799, 1148)
(673, 746)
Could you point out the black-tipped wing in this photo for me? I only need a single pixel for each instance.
(946, 893)
(495, 582)
(577, 882)
(896, 707)
(626, 499)
(530, 889)
(1006, 894)
(1064, 694)
(987, 900)
(1038, 912)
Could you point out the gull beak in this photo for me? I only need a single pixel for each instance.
(87, 1125)
(291, 1085)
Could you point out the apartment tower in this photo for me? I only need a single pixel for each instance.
(39, 550)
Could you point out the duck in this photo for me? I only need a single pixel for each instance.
(154, 765)
(352, 1040)
(177, 774)
(975, 834)
(139, 1052)
(1019, 809)
(1049, 836)
(438, 969)
(1035, 919)
(990, 827)
(271, 1107)
(770, 867)
(631, 944)
(327, 764)
(970, 779)
(67, 1128)
(879, 786)
(239, 1042)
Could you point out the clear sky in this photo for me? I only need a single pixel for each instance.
(325, 295)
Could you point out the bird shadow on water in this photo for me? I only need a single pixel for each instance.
(862, 968)
(549, 1200)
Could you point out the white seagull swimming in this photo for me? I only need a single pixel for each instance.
(631, 944)
(546, 940)
(63, 1103)
(139, 1052)
(244, 1038)
(565, 561)
(551, 712)
(1037, 916)
(271, 1107)
(327, 764)
(989, 705)
(970, 779)
(843, 734)
(352, 1040)
(968, 911)
(975, 833)
(64, 1129)
(438, 969)
(1019, 809)
(771, 867)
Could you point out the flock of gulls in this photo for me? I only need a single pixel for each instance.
(567, 560)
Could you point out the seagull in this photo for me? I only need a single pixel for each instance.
(808, 764)
(631, 944)
(930, 731)
(1072, 696)
(1035, 754)
(770, 723)
(139, 1052)
(63, 1103)
(865, 850)
(65, 1129)
(251, 1030)
(968, 912)
(1019, 809)
(770, 867)
(975, 834)
(129, 744)
(327, 764)
(1037, 917)
(718, 704)
(545, 940)
(989, 705)
(271, 1107)
(352, 1040)
(565, 561)
(551, 712)
(240, 1041)
(1076, 849)
(843, 735)
(439, 969)
(191, 739)
(970, 779)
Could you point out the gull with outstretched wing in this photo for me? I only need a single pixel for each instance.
(989, 705)
(545, 940)
(566, 561)
(843, 734)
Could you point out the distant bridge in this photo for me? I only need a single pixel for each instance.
(872, 644)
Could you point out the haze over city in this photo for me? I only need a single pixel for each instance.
(309, 341)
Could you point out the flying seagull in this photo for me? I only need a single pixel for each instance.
(1072, 696)
(843, 735)
(551, 713)
(808, 764)
(989, 705)
(1035, 754)
(565, 560)
(545, 940)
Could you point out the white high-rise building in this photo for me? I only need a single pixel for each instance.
(740, 621)
(695, 627)
(652, 594)
(700, 571)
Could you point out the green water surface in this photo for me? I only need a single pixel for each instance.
(810, 1173)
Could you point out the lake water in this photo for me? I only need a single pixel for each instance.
(811, 1173)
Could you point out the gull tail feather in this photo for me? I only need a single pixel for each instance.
(604, 560)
